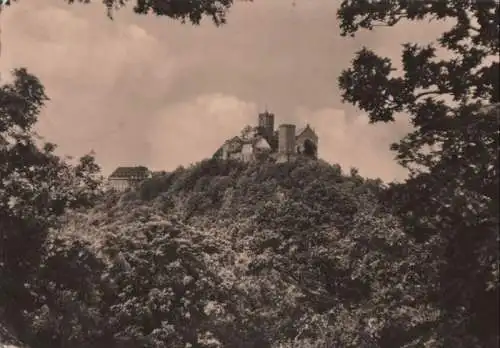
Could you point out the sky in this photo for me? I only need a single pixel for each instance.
(144, 90)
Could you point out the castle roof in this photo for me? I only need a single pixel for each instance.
(139, 172)
(257, 141)
(234, 144)
(303, 129)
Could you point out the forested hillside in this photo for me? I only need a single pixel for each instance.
(224, 254)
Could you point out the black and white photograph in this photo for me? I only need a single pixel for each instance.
(249, 173)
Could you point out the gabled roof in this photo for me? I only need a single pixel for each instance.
(218, 153)
(303, 129)
(261, 142)
(234, 144)
(138, 172)
(256, 140)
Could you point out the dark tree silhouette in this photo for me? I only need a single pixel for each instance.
(182, 10)
(451, 197)
(36, 188)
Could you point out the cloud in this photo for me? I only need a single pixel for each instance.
(148, 90)
(353, 142)
(63, 46)
(97, 72)
(193, 130)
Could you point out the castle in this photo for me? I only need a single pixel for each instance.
(263, 141)
(255, 143)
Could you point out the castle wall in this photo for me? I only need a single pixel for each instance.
(286, 139)
(307, 135)
(122, 184)
(235, 156)
(284, 144)
(247, 153)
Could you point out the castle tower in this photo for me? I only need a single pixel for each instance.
(286, 139)
(266, 124)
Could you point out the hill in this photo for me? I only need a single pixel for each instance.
(227, 254)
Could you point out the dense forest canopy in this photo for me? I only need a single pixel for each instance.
(247, 255)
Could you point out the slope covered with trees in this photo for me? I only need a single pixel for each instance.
(224, 254)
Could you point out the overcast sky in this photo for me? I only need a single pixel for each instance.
(142, 90)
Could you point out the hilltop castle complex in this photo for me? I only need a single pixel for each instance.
(255, 143)
(263, 141)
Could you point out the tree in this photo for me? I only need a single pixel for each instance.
(310, 148)
(294, 253)
(182, 10)
(36, 188)
(247, 132)
(452, 191)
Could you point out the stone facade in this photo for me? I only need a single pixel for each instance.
(124, 178)
(262, 141)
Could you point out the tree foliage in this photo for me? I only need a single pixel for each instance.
(226, 254)
(192, 11)
(36, 188)
(452, 101)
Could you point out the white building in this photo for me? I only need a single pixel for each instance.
(124, 178)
